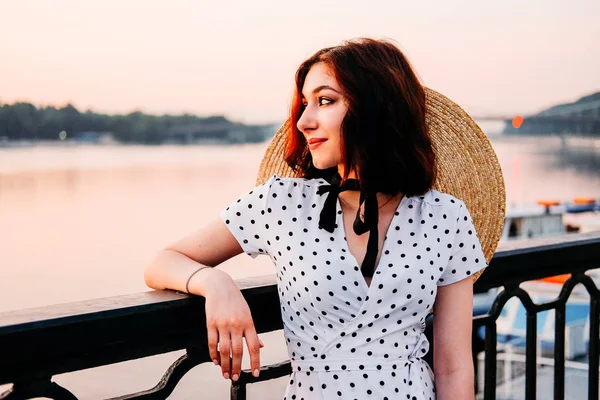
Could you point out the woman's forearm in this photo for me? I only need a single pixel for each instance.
(456, 385)
(171, 270)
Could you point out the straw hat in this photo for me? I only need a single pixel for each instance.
(467, 166)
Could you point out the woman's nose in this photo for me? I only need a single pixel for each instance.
(307, 120)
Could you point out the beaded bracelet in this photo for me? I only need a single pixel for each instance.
(187, 284)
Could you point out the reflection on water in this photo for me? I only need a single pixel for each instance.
(580, 155)
(549, 167)
(82, 222)
(80, 231)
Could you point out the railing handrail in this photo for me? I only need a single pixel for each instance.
(530, 259)
(106, 307)
(45, 341)
(508, 256)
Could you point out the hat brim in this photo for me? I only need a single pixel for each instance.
(467, 166)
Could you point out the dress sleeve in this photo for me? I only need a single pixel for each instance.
(467, 255)
(246, 219)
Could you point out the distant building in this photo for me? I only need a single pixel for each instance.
(219, 132)
(94, 137)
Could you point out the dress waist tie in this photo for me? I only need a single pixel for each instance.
(357, 365)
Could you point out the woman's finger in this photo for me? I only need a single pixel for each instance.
(254, 345)
(224, 351)
(213, 341)
(237, 351)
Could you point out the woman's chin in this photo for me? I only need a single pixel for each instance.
(320, 164)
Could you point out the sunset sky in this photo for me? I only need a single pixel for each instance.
(238, 57)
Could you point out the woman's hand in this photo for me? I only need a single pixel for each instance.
(228, 319)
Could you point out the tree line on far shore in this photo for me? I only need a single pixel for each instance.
(24, 121)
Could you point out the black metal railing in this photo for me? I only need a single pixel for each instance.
(37, 344)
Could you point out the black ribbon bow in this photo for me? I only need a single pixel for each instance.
(371, 216)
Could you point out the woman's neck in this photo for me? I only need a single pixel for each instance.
(351, 175)
(352, 198)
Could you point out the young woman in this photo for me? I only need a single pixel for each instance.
(364, 246)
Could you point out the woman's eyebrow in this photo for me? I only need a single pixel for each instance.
(322, 87)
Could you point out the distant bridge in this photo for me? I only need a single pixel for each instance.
(580, 118)
(544, 118)
(585, 124)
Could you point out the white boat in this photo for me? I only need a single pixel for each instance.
(551, 218)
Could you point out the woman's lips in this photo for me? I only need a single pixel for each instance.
(315, 142)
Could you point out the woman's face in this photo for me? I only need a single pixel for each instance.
(321, 122)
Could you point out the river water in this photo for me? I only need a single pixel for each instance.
(82, 221)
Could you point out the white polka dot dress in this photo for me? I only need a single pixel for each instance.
(346, 339)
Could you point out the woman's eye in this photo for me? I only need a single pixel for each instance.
(322, 101)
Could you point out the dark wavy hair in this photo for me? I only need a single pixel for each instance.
(384, 134)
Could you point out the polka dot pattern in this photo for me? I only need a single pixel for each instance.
(246, 218)
(347, 339)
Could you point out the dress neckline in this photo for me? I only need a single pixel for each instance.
(346, 248)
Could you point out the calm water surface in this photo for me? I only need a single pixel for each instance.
(82, 222)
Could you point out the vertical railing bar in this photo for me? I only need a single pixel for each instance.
(559, 352)
(593, 348)
(238, 391)
(489, 384)
(531, 356)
